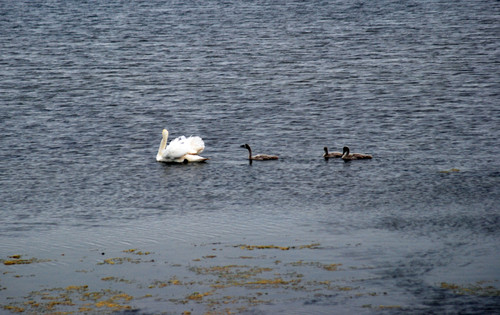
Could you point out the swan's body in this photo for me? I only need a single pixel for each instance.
(327, 155)
(258, 157)
(346, 156)
(180, 150)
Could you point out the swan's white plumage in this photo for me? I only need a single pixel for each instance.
(180, 149)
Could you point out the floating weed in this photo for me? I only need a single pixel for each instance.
(209, 285)
(72, 298)
(94, 296)
(79, 288)
(136, 252)
(382, 307)
(16, 260)
(163, 284)
(120, 260)
(329, 267)
(174, 281)
(345, 288)
(112, 305)
(231, 271)
(313, 246)
(477, 289)
(275, 281)
(252, 247)
(13, 309)
(198, 296)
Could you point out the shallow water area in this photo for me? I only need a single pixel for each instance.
(193, 263)
(91, 223)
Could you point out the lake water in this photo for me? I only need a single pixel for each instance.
(90, 222)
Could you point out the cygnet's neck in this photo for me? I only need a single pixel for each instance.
(345, 152)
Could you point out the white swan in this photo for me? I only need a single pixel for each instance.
(180, 150)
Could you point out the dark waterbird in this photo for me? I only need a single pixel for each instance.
(346, 156)
(327, 155)
(258, 157)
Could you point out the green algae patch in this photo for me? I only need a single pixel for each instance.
(70, 299)
(311, 246)
(328, 267)
(112, 302)
(231, 272)
(275, 281)
(171, 281)
(136, 252)
(331, 267)
(16, 260)
(253, 247)
(120, 260)
(14, 309)
(477, 289)
(227, 283)
(198, 296)
(79, 288)
(116, 279)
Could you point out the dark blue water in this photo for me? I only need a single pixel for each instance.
(87, 86)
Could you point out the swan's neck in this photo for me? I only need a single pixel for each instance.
(326, 150)
(163, 144)
(249, 152)
(346, 153)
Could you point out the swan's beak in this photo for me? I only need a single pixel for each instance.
(242, 146)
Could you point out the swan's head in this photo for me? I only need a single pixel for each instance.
(246, 146)
(164, 133)
(345, 151)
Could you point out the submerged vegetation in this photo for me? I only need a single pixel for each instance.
(482, 288)
(225, 283)
(16, 260)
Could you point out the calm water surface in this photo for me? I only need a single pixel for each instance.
(87, 86)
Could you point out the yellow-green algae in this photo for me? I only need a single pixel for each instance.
(16, 260)
(71, 299)
(478, 289)
(213, 285)
(252, 247)
(136, 251)
(219, 288)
